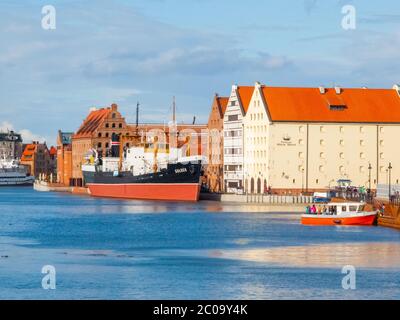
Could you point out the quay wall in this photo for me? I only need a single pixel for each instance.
(255, 198)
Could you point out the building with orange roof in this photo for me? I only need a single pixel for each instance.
(37, 158)
(306, 139)
(215, 168)
(236, 109)
(96, 131)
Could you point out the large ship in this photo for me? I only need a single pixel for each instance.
(13, 174)
(149, 171)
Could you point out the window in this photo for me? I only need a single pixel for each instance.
(382, 130)
(99, 135)
(362, 130)
(107, 125)
(362, 169)
(233, 103)
(341, 155)
(337, 107)
(362, 143)
(322, 129)
(234, 117)
(321, 169)
(353, 208)
(362, 155)
(382, 155)
(341, 129)
(120, 125)
(301, 155)
(301, 142)
(301, 129)
(107, 134)
(113, 115)
(113, 125)
(99, 145)
(322, 142)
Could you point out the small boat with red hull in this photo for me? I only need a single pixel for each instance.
(149, 171)
(345, 214)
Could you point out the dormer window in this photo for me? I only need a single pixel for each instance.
(337, 107)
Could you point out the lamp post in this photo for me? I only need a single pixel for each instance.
(302, 180)
(390, 178)
(369, 176)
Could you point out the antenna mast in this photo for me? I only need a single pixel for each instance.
(137, 116)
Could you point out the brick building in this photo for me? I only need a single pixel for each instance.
(215, 167)
(38, 159)
(95, 133)
(97, 129)
(64, 158)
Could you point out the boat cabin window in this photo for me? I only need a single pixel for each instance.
(353, 208)
(344, 208)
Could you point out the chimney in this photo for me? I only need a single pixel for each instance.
(114, 107)
(338, 90)
(322, 90)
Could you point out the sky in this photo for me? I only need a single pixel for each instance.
(120, 51)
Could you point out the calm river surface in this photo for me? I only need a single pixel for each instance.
(115, 249)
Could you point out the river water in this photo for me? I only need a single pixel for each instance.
(117, 249)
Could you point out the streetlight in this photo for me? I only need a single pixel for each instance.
(369, 177)
(302, 180)
(390, 176)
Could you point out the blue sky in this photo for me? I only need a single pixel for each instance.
(127, 51)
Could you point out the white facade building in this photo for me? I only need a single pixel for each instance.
(233, 138)
(305, 139)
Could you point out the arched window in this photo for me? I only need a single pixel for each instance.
(120, 125)
(99, 145)
(99, 135)
(113, 115)
(107, 125)
(113, 125)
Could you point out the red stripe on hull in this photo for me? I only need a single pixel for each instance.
(335, 221)
(168, 192)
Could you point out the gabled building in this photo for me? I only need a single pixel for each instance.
(306, 139)
(37, 158)
(215, 166)
(233, 137)
(95, 133)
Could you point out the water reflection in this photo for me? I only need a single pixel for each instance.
(336, 255)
